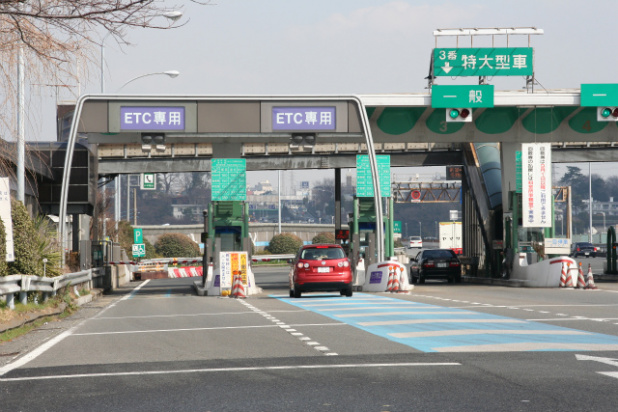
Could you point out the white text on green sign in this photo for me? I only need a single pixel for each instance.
(505, 61)
(594, 95)
(481, 95)
(229, 179)
(138, 235)
(139, 250)
(364, 181)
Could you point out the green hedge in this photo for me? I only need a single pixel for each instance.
(284, 243)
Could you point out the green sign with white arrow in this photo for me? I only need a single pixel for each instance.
(482, 61)
(481, 95)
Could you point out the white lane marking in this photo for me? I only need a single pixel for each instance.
(227, 370)
(52, 342)
(293, 332)
(372, 314)
(128, 332)
(185, 315)
(458, 332)
(529, 346)
(610, 374)
(430, 308)
(359, 302)
(418, 321)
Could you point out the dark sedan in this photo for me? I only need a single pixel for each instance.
(435, 264)
(583, 249)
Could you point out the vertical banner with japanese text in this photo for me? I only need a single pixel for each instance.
(5, 215)
(536, 185)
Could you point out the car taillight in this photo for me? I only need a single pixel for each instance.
(454, 264)
(578, 250)
(429, 264)
(595, 249)
(301, 265)
(344, 264)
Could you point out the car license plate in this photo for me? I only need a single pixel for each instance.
(441, 265)
(587, 253)
(323, 269)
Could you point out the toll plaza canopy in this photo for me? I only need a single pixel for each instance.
(138, 133)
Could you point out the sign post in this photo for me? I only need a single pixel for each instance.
(480, 95)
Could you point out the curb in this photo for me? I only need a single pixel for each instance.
(31, 317)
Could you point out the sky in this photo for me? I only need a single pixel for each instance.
(266, 47)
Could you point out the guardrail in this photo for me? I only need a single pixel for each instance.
(22, 284)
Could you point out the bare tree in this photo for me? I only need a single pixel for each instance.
(56, 36)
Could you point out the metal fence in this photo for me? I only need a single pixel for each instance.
(22, 284)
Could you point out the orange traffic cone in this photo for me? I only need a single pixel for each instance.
(389, 285)
(563, 277)
(581, 282)
(590, 284)
(569, 279)
(238, 289)
(395, 285)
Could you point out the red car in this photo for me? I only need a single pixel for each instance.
(321, 268)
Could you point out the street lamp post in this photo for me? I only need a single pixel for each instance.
(170, 73)
(172, 15)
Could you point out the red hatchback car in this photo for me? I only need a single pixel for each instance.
(321, 268)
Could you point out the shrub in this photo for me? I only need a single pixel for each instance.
(323, 237)
(284, 243)
(26, 261)
(4, 267)
(176, 245)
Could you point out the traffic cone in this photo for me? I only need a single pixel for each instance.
(563, 277)
(581, 282)
(568, 283)
(590, 284)
(238, 289)
(395, 286)
(389, 284)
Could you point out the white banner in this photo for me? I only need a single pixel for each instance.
(5, 215)
(536, 184)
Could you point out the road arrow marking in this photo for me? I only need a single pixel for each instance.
(607, 361)
(447, 67)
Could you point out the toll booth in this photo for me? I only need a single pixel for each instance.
(363, 231)
(228, 226)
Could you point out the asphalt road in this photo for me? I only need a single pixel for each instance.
(156, 346)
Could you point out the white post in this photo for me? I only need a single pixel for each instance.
(21, 114)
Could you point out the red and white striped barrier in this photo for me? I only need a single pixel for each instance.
(185, 272)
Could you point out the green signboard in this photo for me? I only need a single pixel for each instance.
(481, 95)
(229, 179)
(148, 181)
(482, 61)
(139, 249)
(397, 226)
(594, 95)
(364, 181)
(138, 236)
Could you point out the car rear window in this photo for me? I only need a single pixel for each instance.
(439, 254)
(322, 254)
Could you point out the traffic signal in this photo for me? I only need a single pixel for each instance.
(607, 114)
(459, 115)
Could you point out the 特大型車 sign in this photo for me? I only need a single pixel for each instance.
(482, 61)
(536, 185)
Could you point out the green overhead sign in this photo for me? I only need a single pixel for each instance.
(482, 61)
(229, 179)
(364, 181)
(481, 95)
(594, 95)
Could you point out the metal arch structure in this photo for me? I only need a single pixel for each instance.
(77, 121)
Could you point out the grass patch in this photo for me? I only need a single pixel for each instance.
(22, 313)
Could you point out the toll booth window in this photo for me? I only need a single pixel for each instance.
(530, 234)
(230, 238)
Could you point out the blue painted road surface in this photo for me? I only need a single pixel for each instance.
(431, 328)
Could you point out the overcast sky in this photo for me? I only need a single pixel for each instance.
(247, 47)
